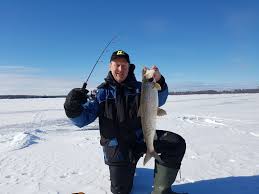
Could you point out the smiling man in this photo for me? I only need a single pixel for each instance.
(119, 66)
(116, 105)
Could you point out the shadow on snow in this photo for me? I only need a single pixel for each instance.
(143, 182)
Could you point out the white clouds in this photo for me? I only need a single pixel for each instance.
(26, 80)
(18, 69)
(19, 84)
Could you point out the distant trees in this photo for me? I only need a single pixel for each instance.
(27, 96)
(236, 91)
(93, 93)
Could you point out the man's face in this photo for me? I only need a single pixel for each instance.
(120, 69)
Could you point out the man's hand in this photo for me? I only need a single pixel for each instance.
(157, 74)
(74, 100)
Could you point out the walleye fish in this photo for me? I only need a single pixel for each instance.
(148, 111)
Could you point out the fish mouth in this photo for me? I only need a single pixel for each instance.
(150, 79)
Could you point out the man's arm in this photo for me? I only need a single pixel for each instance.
(88, 114)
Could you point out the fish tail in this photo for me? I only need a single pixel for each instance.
(149, 155)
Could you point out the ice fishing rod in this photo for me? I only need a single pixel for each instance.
(107, 45)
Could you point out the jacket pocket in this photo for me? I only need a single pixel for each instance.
(112, 152)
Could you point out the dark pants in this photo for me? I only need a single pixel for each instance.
(171, 147)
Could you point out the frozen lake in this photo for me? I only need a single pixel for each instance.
(42, 152)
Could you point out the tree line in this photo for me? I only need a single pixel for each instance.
(236, 91)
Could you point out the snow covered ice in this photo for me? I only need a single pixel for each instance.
(42, 152)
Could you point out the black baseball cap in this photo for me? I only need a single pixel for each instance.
(120, 54)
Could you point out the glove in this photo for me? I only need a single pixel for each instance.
(74, 100)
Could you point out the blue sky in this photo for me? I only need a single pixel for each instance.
(49, 46)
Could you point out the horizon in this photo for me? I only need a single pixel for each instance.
(186, 92)
(48, 48)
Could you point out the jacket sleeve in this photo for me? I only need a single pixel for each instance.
(88, 115)
(163, 93)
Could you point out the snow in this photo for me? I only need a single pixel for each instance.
(42, 152)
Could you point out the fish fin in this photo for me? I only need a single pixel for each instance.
(157, 86)
(157, 157)
(155, 137)
(161, 112)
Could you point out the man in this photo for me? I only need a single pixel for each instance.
(116, 105)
